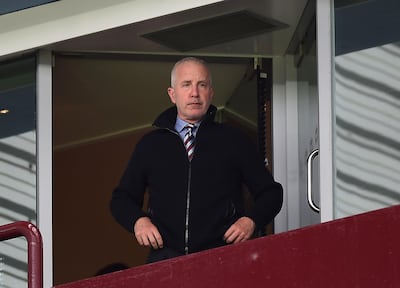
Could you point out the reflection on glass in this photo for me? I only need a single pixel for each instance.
(367, 103)
(17, 164)
(367, 130)
(367, 107)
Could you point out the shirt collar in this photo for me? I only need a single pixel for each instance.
(180, 124)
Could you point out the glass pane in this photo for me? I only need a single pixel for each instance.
(307, 91)
(17, 163)
(13, 263)
(367, 106)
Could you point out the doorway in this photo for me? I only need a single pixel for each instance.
(103, 104)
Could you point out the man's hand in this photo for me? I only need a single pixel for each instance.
(147, 234)
(240, 231)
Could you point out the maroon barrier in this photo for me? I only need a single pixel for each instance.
(35, 248)
(358, 251)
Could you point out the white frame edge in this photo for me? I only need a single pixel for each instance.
(324, 56)
(45, 161)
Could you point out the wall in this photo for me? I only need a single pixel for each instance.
(367, 105)
(86, 237)
(18, 163)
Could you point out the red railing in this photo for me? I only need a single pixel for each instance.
(35, 248)
(358, 251)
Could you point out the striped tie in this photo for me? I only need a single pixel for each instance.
(188, 140)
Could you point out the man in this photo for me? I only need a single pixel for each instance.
(195, 191)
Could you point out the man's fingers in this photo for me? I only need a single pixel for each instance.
(156, 240)
(240, 231)
(153, 243)
(159, 240)
(231, 236)
(236, 238)
(147, 234)
(241, 238)
(153, 239)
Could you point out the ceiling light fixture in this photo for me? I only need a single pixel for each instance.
(4, 111)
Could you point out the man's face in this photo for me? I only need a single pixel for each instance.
(191, 92)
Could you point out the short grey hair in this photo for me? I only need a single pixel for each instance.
(189, 59)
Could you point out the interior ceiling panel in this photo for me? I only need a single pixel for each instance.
(214, 30)
(232, 28)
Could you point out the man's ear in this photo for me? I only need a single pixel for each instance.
(171, 94)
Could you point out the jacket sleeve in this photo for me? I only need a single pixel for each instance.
(266, 192)
(127, 198)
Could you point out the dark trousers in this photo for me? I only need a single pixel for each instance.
(162, 254)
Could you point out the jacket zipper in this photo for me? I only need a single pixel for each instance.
(187, 211)
(187, 200)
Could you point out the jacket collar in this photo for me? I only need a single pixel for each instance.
(167, 118)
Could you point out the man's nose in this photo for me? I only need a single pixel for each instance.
(195, 91)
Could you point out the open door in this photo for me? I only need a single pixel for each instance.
(307, 155)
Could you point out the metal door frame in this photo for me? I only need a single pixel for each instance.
(285, 117)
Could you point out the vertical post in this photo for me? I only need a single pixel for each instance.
(45, 160)
(326, 120)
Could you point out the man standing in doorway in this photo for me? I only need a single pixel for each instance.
(194, 170)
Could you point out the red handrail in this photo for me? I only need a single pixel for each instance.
(357, 251)
(35, 248)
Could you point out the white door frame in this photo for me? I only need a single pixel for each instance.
(285, 131)
(44, 112)
(325, 10)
